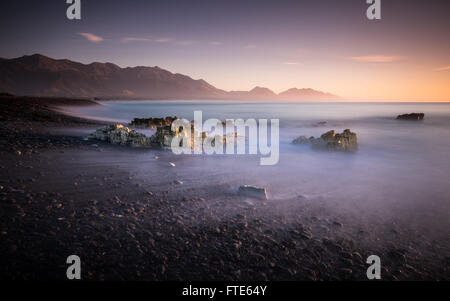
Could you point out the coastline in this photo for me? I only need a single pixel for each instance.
(64, 195)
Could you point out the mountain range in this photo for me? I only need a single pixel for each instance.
(38, 75)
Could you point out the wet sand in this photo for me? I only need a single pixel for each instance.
(130, 215)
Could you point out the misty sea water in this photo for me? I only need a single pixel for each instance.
(126, 110)
(374, 123)
(399, 176)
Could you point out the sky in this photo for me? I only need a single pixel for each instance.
(327, 45)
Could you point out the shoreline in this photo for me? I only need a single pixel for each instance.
(63, 195)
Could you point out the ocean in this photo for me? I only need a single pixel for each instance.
(399, 175)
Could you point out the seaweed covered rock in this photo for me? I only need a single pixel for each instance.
(411, 116)
(345, 141)
(153, 122)
(118, 134)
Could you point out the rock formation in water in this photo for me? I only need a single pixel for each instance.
(345, 141)
(303, 140)
(118, 134)
(164, 136)
(411, 116)
(153, 122)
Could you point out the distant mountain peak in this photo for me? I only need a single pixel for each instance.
(35, 58)
(305, 93)
(262, 91)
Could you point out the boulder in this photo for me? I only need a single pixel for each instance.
(152, 122)
(253, 192)
(411, 116)
(118, 134)
(345, 141)
(164, 135)
(303, 140)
